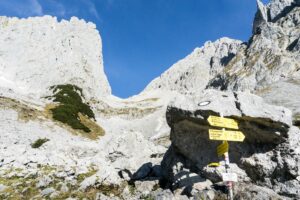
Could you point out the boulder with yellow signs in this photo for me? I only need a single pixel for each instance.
(264, 131)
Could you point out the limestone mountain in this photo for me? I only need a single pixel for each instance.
(64, 135)
(50, 53)
(271, 56)
(193, 73)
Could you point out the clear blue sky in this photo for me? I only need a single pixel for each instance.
(143, 38)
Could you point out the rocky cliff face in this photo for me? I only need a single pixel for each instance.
(192, 74)
(37, 53)
(267, 65)
(64, 135)
(59, 121)
(270, 56)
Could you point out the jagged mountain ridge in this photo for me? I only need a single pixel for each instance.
(192, 74)
(270, 56)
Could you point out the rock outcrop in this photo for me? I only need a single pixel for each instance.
(262, 158)
(37, 53)
(192, 74)
(284, 93)
(270, 56)
(48, 157)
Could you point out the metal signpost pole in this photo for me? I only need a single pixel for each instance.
(227, 167)
(229, 183)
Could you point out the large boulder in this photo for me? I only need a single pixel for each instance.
(269, 155)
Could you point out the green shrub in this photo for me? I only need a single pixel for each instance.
(70, 105)
(39, 142)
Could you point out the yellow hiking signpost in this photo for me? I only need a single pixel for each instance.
(222, 149)
(222, 122)
(236, 136)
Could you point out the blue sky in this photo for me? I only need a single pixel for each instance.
(143, 38)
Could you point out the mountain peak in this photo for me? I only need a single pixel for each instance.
(50, 53)
(192, 73)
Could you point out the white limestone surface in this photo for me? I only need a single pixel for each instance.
(192, 73)
(38, 52)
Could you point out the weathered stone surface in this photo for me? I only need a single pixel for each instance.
(145, 187)
(252, 114)
(269, 56)
(264, 157)
(164, 195)
(47, 191)
(254, 192)
(2, 187)
(193, 73)
(68, 49)
(100, 196)
(260, 16)
(105, 176)
(284, 93)
(44, 181)
(204, 194)
(215, 173)
(276, 8)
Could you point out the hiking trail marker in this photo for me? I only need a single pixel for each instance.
(235, 136)
(229, 177)
(222, 122)
(222, 149)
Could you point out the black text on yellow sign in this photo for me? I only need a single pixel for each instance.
(235, 136)
(223, 122)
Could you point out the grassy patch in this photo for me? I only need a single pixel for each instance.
(296, 120)
(131, 189)
(23, 186)
(25, 112)
(70, 105)
(18, 188)
(83, 176)
(96, 130)
(39, 142)
(147, 197)
(263, 90)
(110, 190)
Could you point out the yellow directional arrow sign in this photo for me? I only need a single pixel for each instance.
(236, 136)
(222, 148)
(222, 122)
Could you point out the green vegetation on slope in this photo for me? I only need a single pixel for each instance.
(70, 105)
(23, 186)
(39, 142)
(296, 120)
